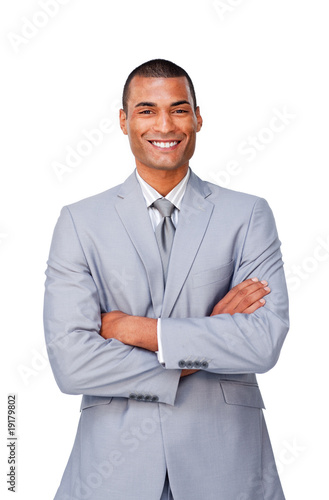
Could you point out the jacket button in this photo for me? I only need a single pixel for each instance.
(204, 364)
(132, 396)
(181, 363)
(155, 399)
(148, 397)
(189, 364)
(196, 364)
(140, 397)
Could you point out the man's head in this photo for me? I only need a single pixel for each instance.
(160, 116)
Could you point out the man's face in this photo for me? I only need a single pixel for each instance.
(161, 122)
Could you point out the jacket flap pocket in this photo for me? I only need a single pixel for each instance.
(236, 393)
(213, 275)
(88, 401)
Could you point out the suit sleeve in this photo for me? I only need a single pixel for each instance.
(82, 361)
(241, 343)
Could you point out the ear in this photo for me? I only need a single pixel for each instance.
(123, 121)
(199, 119)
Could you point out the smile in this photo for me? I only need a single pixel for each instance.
(164, 145)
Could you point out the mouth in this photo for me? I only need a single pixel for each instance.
(165, 145)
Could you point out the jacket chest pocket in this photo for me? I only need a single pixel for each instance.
(214, 275)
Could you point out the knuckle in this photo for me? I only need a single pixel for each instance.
(240, 286)
(245, 303)
(243, 292)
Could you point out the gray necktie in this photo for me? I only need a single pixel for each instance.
(165, 232)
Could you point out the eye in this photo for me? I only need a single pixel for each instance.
(181, 111)
(145, 112)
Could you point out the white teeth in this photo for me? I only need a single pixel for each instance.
(164, 144)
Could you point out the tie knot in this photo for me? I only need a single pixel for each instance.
(164, 206)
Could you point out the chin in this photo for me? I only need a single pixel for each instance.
(165, 167)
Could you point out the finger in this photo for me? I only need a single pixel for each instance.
(251, 298)
(234, 296)
(237, 293)
(230, 302)
(226, 301)
(248, 295)
(256, 305)
(239, 288)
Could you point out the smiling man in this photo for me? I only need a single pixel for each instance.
(155, 313)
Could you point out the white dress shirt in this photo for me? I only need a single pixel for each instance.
(175, 197)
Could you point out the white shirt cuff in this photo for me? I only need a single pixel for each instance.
(159, 351)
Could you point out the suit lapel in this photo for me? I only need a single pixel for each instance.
(193, 221)
(132, 210)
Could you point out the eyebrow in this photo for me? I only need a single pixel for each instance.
(154, 105)
(179, 103)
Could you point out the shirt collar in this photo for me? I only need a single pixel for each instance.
(175, 195)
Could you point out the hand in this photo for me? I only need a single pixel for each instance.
(111, 327)
(246, 297)
(185, 372)
(130, 330)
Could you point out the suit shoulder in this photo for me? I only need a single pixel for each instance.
(96, 202)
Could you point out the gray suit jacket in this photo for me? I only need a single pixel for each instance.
(138, 418)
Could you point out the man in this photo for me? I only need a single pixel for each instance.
(155, 312)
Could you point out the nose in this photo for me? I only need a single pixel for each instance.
(164, 123)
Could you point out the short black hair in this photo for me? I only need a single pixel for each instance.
(157, 68)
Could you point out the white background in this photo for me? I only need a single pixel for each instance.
(250, 61)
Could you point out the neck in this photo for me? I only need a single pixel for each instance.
(162, 181)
